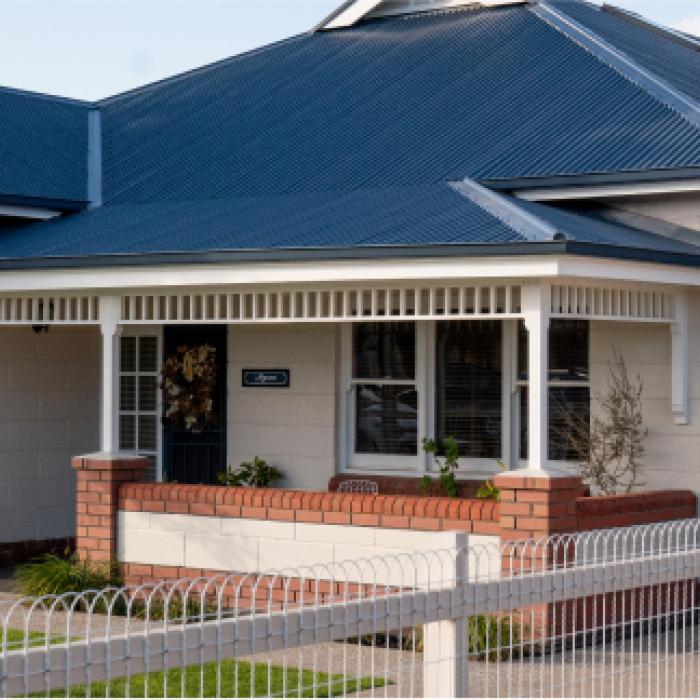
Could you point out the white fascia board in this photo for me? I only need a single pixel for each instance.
(28, 212)
(550, 194)
(129, 279)
(252, 274)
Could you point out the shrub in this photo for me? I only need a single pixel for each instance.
(257, 474)
(489, 638)
(447, 467)
(52, 575)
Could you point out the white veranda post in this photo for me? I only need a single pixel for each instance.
(536, 306)
(110, 317)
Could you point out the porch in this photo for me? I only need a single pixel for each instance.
(371, 371)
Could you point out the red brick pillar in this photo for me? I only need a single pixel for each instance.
(98, 478)
(534, 507)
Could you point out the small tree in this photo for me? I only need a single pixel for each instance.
(611, 444)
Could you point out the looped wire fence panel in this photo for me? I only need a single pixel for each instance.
(602, 614)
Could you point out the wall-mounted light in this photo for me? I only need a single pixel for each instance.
(40, 329)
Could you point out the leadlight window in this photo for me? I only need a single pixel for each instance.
(386, 396)
(138, 397)
(469, 386)
(569, 384)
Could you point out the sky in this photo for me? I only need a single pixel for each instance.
(88, 49)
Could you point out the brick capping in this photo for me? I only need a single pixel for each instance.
(477, 516)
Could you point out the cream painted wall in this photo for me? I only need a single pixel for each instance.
(673, 451)
(49, 397)
(294, 428)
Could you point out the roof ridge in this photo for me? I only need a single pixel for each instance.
(619, 61)
(46, 96)
(682, 39)
(190, 72)
(531, 227)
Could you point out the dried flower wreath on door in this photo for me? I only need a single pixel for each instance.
(189, 382)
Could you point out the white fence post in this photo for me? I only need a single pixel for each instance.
(445, 641)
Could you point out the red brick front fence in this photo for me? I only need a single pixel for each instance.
(530, 507)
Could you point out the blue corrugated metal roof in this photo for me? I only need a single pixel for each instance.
(43, 147)
(424, 215)
(589, 227)
(434, 214)
(397, 101)
(672, 61)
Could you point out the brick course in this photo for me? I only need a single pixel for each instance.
(362, 510)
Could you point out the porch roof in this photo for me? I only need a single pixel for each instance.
(428, 219)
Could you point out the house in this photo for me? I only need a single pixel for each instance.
(422, 218)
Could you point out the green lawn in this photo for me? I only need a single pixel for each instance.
(201, 682)
(235, 679)
(15, 639)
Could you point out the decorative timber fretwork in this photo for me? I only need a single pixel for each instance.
(613, 303)
(332, 304)
(45, 310)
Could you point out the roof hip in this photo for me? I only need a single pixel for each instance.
(619, 61)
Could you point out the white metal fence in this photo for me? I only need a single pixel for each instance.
(608, 613)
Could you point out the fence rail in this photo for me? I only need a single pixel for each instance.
(607, 613)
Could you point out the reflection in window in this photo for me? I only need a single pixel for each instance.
(384, 351)
(468, 403)
(387, 419)
(386, 408)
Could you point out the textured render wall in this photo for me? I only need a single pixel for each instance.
(293, 428)
(234, 544)
(49, 396)
(673, 451)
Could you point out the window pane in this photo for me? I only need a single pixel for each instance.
(386, 420)
(384, 350)
(565, 403)
(469, 386)
(148, 387)
(128, 354)
(523, 422)
(568, 350)
(147, 433)
(127, 393)
(148, 354)
(127, 432)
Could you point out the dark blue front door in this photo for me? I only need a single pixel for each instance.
(192, 458)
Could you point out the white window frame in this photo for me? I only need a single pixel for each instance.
(474, 467)
(402, 465)
(393, 464)
(137, 332)
(517, 459)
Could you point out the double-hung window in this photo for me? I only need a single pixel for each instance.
(464, 379)
(384, 406)
(469, 386)
(569, 391)
(139, 392)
